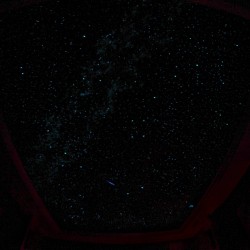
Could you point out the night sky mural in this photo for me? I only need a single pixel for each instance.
(122, 111)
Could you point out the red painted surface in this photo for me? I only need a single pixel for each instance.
(36, 205)
(224, 6)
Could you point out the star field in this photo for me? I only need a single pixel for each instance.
(122, 112)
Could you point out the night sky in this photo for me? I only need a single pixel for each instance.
(122, 111)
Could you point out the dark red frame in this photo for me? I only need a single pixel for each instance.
(229, 174)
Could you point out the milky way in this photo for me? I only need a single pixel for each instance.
(119, 112)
